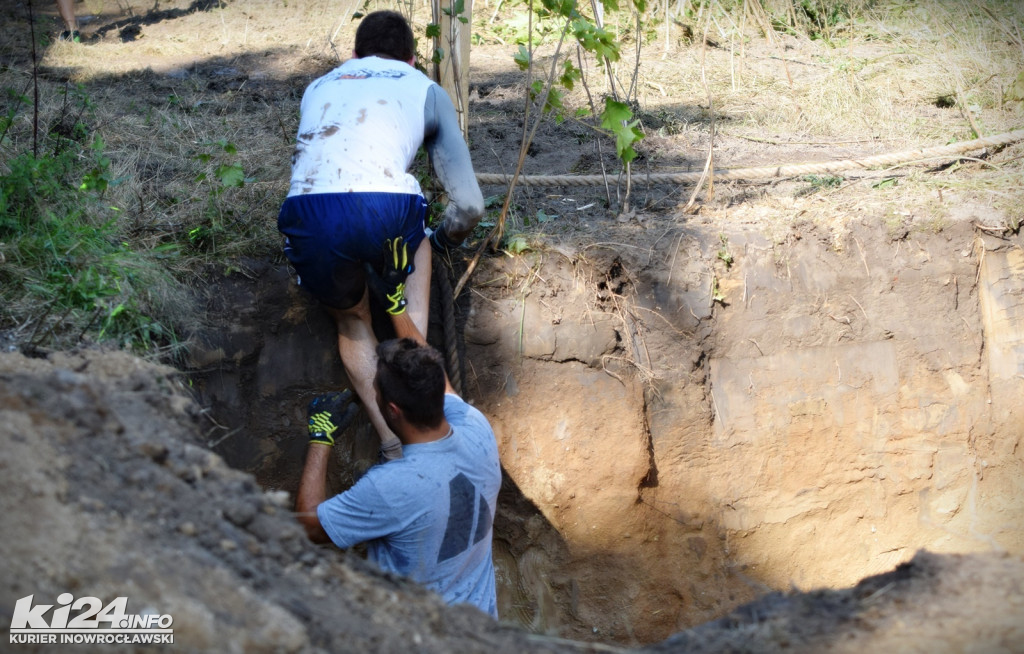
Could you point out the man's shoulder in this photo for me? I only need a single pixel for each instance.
(456, 408)
(378, 67)
(471, 423)
(398, 472)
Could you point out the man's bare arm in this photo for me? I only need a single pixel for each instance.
(328, 414)
(406, 328)
(313, 491)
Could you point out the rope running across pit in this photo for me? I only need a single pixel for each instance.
(766, 172)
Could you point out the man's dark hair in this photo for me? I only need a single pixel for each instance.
(412, 376)
(385, 34)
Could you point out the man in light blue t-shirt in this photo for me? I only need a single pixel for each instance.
(428, 515)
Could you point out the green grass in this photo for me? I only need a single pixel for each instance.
(66, 271)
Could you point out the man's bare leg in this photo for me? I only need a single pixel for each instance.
(357, 343)
(417, 287)
(357, 346)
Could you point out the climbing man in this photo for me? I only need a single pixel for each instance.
(428, 515)
(360, 128)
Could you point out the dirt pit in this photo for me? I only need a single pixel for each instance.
(644, 496)
(681, 435)
(111, 491)
(799, 387)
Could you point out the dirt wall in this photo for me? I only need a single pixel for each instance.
(808, 414)
(680, 433)
(110, 491)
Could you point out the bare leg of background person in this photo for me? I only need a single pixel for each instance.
(67, 13)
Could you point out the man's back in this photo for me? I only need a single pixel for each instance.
(429, 515)
(361, 126)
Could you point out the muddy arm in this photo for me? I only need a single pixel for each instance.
(450, 156)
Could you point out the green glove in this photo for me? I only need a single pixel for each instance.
(329, 413)
(389, 286)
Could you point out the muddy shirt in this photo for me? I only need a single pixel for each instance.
(429, 515)
(361, 126)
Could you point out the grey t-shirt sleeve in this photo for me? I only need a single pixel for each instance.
(450, 157)
(358, 515)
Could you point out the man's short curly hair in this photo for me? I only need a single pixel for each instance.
(385, 34)
(412, 376)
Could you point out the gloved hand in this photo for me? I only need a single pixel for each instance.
(389, 287)
(329, 413)
(442, 243)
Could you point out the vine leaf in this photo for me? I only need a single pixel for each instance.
(616, 117)
(596, 39)
(522, 58)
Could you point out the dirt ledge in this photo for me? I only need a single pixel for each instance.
(111, 491)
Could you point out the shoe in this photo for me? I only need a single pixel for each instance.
(73, 36)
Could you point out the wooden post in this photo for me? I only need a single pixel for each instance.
(452, 71)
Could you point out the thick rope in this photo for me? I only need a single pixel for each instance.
(768, 172)
(451, 334)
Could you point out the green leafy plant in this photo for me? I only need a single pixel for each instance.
(716, 293)
(819, 183)
(456, 11)
(97, 178)
(548, 92)
(543, 217)
(823, 181)
(723, 251)
(67, 271)
(228, 174)
(222, 173)
(516, 244)
(616, 118)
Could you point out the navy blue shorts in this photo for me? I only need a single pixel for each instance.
(328, 237)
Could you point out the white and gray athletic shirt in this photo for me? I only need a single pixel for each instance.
(361, 126)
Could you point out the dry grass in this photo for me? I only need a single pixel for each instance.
(879, 79)
(896, 77)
